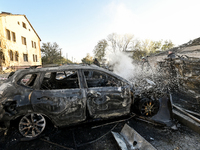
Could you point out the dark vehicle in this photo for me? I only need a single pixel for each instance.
(66, 95)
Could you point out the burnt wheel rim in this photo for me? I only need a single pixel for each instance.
(149, 108)
(32, 125)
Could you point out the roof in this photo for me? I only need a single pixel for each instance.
(10, 14)
(76, 67)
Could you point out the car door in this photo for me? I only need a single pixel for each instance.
(107, 96)
(61, 98)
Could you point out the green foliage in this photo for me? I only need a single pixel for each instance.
(51, 53)
(167, 45)
(88, 59)
(100, 49)
(126, 42)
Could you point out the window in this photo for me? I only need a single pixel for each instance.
(34, 58)
(28, 80)
(25, 57)
(11, 55)
(18, 22)
(8, 34)
(23, 40)
(24, 25)
(16, 56)
(60, 80)
(13, 37)
(100, 79)
(33, 44)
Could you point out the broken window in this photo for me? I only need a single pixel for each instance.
(28, 80)
(100, 79)
(8, 34)
(60, 80)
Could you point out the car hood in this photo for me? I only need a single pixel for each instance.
(6, 89)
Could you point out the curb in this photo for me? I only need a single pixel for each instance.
(187, 121)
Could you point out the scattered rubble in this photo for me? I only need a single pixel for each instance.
(129, 139)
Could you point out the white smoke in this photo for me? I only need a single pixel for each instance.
(122, 64)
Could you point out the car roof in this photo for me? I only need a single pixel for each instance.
(61, 68)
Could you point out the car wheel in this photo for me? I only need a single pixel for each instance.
(32, 125)
(148, 107)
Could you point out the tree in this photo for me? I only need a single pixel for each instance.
(64, 61)
(126, 42)
(88, 59)
(119, 42)
(167, 45)
(138, 52)
(51, 53)
(100, 49)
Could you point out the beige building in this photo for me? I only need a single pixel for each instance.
(19, 42)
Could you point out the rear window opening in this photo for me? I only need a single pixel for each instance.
(28, 80)
(60, 80)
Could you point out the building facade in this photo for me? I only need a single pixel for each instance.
(19, 42)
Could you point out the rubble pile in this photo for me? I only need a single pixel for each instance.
(183, 77)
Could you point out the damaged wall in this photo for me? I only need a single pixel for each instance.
(187, 66)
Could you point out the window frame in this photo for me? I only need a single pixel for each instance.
(35, 80)
(24, 25)
(107, 75)
(13, 36)
(25, 56)
(11, 55)
(23, 40)
(16, 56)
(8, 36)
(65, 70)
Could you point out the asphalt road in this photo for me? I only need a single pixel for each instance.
(90, 137)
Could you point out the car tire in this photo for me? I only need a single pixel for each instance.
(32, 125)
(148, 107)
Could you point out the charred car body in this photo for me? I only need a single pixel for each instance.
(66, 95)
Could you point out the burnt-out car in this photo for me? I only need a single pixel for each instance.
(72, 94)
(66, 95)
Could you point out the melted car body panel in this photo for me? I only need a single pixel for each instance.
(64, 107)
(110, 102)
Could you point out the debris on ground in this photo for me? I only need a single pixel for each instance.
(129, 139)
